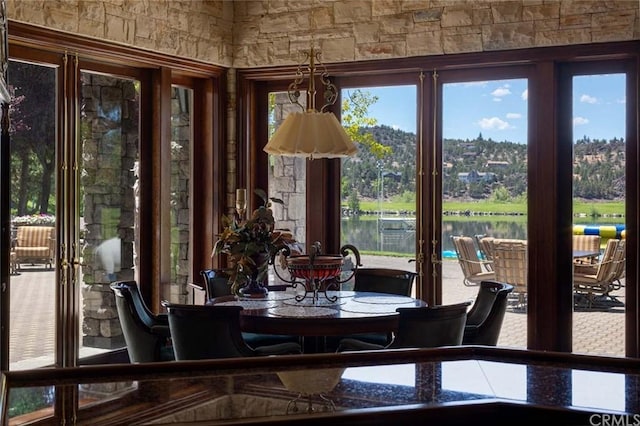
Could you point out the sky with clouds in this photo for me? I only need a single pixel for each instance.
(498, 109)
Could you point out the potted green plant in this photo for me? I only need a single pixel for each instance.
(249, 244)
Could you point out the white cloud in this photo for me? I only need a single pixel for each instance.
(525, 95)
(621, 101)
(579, 121)
(501, 91)
(497, 99)
(588, 99)
(514, 115)
(493, 123)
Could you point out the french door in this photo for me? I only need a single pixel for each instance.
(74, 153)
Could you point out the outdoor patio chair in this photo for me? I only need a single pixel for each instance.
(425, 327)
(484, 320)
(34, 244)
(147, 335)
(589, 243)
(473, 269)
(484, 247)
(510, 266)
(620, 264)
(591, 282)
(209, 332)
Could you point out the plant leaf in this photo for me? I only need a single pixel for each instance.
(260, 193)
(277, 200)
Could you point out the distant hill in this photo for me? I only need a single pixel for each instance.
(480, 168)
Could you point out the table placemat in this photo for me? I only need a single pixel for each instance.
(341, 294)
(250, 303)
(302, 311)
(281, 295)
(362, 308)
(384, 300)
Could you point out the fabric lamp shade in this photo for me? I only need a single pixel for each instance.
(311, 134)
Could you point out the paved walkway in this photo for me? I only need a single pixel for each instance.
(594, 332)
(33, 302)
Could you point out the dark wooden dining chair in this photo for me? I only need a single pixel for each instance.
(378, 280)
(484, 320)
(216, 283)
(208, 332)
(425, 327)
(384, 280)
(147, 335)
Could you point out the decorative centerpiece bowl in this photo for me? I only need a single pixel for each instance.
(318, 272)
(320, 267)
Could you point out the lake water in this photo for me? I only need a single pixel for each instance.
(365, 234)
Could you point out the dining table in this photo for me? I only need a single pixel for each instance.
(336, 313)
(585, 253)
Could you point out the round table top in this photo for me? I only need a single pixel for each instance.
(352, 312)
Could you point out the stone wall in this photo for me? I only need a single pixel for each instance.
(199, 30)
(256, 33)
(354, 30)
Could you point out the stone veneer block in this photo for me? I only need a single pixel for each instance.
(426, 43)
(461, 43)
(556, 38)
(349, 11)
(508, 36)
(509, 11)
(339, 50)
(456, 17)
(536, 12)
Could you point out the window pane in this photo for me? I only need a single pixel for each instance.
(181, 137)
(287, 177)
(33, 206)
(378, 184)
(109, 135)
(599, 205)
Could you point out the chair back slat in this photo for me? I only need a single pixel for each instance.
(607, 267)
(620, 259)
(510, 263)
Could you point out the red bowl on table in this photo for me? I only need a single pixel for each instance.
(319, 267)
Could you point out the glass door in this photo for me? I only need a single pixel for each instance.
(484, 192)
(73, 207)
(74, 150)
